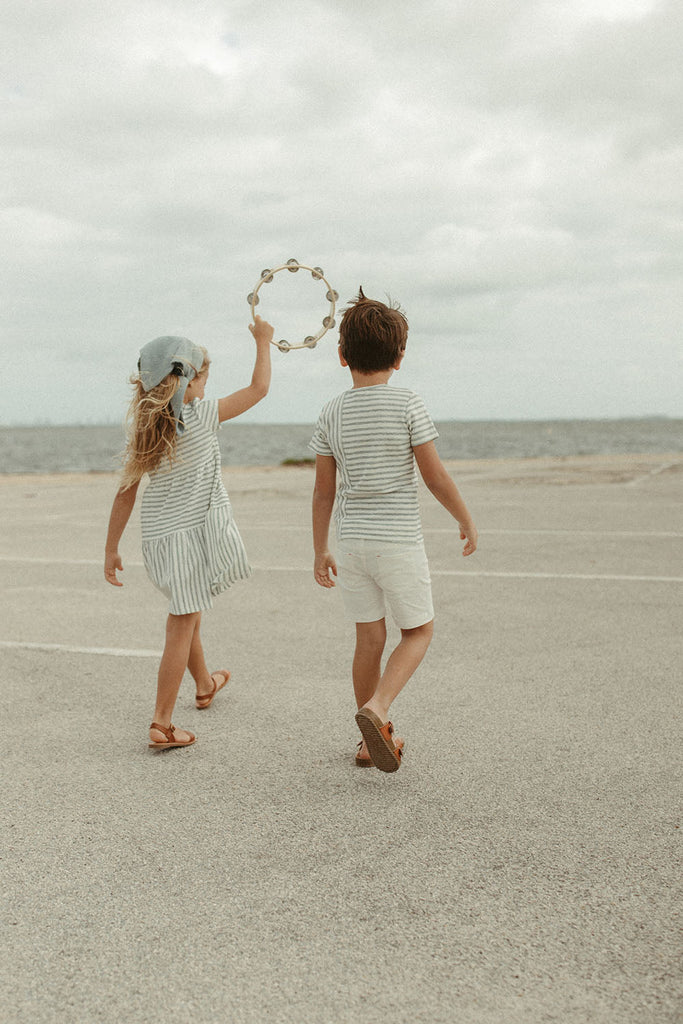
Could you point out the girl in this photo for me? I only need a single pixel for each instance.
(190, 543)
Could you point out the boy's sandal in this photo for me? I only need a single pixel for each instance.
(363, 762)
(171, 741)
(385, 754)
(207, 698)
(367, 762)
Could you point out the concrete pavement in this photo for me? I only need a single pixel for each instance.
(522, 866)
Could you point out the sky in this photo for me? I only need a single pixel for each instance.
(509, 171)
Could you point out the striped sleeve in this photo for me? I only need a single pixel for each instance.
(207, 412)
(420, 426)
(320, 443)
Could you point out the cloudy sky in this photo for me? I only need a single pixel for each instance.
(509, 170)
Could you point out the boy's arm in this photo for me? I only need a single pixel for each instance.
(120, 514)
(441, 484)
(323, 503)
(238, 402)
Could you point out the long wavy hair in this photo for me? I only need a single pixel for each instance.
(151, 434)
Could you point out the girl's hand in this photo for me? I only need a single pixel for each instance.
(112, 562)
(323, 565)
(262, 331)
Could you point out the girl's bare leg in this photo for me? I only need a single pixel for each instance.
(402, 662)
(197, 665)
(179, 632)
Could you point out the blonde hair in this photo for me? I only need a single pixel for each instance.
(151, 434)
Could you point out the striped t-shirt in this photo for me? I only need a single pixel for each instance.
(371, 433)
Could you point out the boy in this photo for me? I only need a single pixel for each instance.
(373, 435)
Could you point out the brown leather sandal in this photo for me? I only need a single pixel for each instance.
(363, 762)
(385, 754)
(170, 738)
(367, 762)
(207, 698)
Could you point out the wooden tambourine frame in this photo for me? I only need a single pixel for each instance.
(311, 340)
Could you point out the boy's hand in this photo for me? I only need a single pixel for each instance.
(321, 569)
(262, 331)
(112, 562)
(469, 533)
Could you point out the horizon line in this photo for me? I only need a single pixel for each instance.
(44, 423)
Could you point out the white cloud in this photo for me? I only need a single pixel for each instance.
(510, 171)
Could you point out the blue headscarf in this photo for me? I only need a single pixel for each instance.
(167, 355)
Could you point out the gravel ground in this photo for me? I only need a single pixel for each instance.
(522, 866)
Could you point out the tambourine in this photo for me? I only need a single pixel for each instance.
(318, 274)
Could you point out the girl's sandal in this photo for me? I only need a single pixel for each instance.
(207, 698)
(171, 741)
(385, 754)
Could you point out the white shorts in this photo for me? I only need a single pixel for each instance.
(374, 575)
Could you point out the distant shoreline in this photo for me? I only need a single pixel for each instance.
(87, 449)
(119, 424)
(557, 469)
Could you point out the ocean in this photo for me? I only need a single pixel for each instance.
(96, 449)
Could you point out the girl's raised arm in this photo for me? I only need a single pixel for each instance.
(237, 403)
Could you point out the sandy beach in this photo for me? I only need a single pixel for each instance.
(522, 867)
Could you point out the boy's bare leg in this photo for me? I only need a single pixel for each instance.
(179, 632)
(402, 662)
(197, 665)
(371, 638)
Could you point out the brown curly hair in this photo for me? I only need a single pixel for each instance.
(372, 335)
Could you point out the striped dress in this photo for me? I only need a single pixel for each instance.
(371, 433)
(190, 543)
